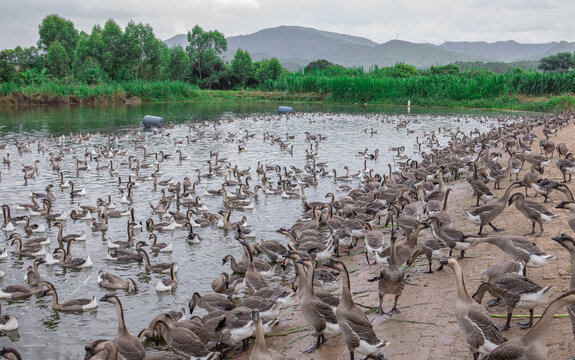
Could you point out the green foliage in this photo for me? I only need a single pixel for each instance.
(403, 70)
(496, 67)
(113, 54)
(90, 72)
(269, 70)
(54, 28)
(445, 69)
(564, 103)
(319, 65)
(57, 60)
(205, 48)
(33, 76)
(561, 62)
(242, 69)
(179, 64)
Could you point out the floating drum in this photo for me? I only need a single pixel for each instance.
(285, 109)
(153, 121)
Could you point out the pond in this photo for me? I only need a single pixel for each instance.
(210, 128)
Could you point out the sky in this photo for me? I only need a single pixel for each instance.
(420, 21)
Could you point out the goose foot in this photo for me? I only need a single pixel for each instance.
(503, 327)
(525, 325)
(529, 234)
(499, 229)
(394, 311)
(493, 302)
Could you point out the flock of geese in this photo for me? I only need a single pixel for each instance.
(382, 216)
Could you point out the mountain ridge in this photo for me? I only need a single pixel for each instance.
(298, 45)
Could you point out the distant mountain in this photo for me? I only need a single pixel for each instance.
(296, 46)
(505, 51)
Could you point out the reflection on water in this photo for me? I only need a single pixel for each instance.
(348, 130)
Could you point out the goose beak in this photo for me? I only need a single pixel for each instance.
(561, 205)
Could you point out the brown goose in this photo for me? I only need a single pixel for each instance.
(516, 291)
(391, 279)
(253, 279)
(317, 313)
(70, 305)
(261, 351)
(569, 244)
(33, 276)
(106, 349)
(157, 268)
(404, 250)
(481, 190)
(10, 353)
(485, 214)
(532, 345)
(210, 302)
(571, 206)
(182, 340)
(479, 329)
(113, 282)
(357, 331)
(129, 346)
(534, 211)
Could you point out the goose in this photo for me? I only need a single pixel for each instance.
(192, 238)
(485, 214)
(20, 291)
(516, 291)
(159, 247)
(33, 206)
(161, 268)
(113, 282)
(391, 279)
(163, 226)
(32, 276)
(518, 248)
(77, 215)
(443, 214)
(269, 308)
(64, 184)
(37, 250)
(568, 243)
(404, 250)
(253, 279)
(168, 285)
(182, 340)
(10, 353)
(68, 237)
(210, 302)
(99, 226)
(452, 237)
(7, 226)
(128, 345)
(77, 263)
(358, 333)
(374, 241)
(8, 322)
(124, 255)
(479, 329)
(532, 344)
(73, 193)
(496, 271)
(260, 350)
(481, 190)
(271, 248)
(317, 313)
(106, 349)
(70, 305)
(534, 211)
(223, 284)
(566, 166)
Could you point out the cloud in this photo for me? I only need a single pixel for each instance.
(527, 21)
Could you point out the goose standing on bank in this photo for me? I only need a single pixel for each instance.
(485, 214)
(261, 351)
(391, 279)
(531, 346)
(479, 329)
(569, 244)
(571, 206)
(534, 211)
(357, 331)
(129, 346)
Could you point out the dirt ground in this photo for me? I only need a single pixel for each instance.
(426, 328)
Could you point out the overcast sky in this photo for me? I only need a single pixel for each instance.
(423, 21)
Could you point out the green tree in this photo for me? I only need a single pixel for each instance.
(179, 64)
(445, 69)
(205, 48)
(114, 51)
(560, 62)
(57, 60)
(143, 51)
(403, 70)
(8, 65)
(317, 65)
(54, 28)
(269, 70)
(242, 68)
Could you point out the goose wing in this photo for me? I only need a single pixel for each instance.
(526, 245)
(511, 350)
(517, 284)
(186, 341)
(537, 208)
(129, 346)
(356, 325)
(482, 321)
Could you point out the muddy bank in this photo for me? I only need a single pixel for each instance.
(426, 328)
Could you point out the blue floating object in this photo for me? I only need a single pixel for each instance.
(153, 121)
(285, 109)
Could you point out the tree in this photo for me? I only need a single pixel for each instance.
(114, 50)
(143, 50)
(560, 62)
(269, 70)
(242, 68)
(179, 64)
(403, 70)
(205, 48)
(317, 65)
(445, 69)
(57, 60)
(54, 28)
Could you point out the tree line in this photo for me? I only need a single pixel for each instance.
(110, 54)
